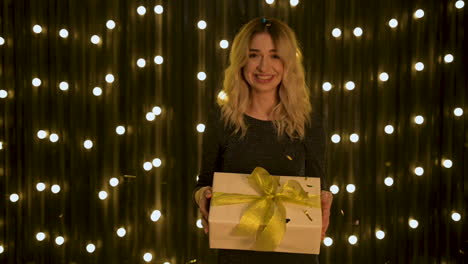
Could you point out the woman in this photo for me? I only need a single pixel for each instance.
(267, 121)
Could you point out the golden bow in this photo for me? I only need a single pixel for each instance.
(265, 215)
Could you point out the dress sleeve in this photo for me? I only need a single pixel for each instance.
(212, 149)
(315, 143)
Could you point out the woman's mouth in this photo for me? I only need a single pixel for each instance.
(263, 78)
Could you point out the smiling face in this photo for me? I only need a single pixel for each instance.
(264, 69)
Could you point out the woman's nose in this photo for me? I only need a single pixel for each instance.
(263, 65)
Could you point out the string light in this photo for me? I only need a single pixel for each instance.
(2, 41)
(158, 9)
(419, 119)
(63, 86)
(3, 94)
(201, 24)
(36, 82)
(383, 76)
(270, 2)
(97, 91)
(459, 4)
(458, 111)
(350, 86)
(448, 58)
(53, 137)
(40, 186)
(419, 13)
(141, 10)
(456, 216)
(380, 234)
(147, 166)
(336, 32)
(352, 239)
(158, 59)
(110, 24)
(334, 189)
(419, 66)
(147, 257)
(388, 181)
(110, 78)
(199, 223)
(156, 163)
(63, 33)
(413, 223)
(201, 76)
(155, 215)
(150, 116)
(419, 171)
(157, 110)
(102, 195)
(326, 86)
(113, 182)
(351, 188)
(1, 249)
(354, 137)
(224, 44)
(357, 32)
(393, 23)
(336, 138)
(328, 241)
(55, 188)
(447, 163)
(14, 197)
(293, 3)
(141, 63)
(389, 129)
(121, 232)
(222, 96)
(120, 130)
(201, 128)
(41, 134)
(88, 144)
(59, 240)
(90, 248)
(37, 29)
(95, 39)
(40, 236)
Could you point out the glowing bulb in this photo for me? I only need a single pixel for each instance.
(201, 128)
(53, 137)
(224, 44)
(158, 59)
(419, 66)
(336, 138)
(150, 116)
(147, 257)
(90, 248)
(201, 24)
(158, 9)
(336, 32)
(352, 239)
(37, 29)
(95, 39)
(110, 78)
(157, 110)
(97, 91)
(389, 129)
(63, 33)
(448, 58)
(141, 10)
(41, 134)
(419, 119)
(326, 86)
(14, 197)
(413, 223)
(121, 232)
(350, 86)
(155, 215)
(63, 86)
(157, 162)
(419, 13)
(328, 241)
(114, 182)
(380, 234)
(459, 4)
(55, 188)
(222, 96)
(201, 76)
(3, 94)
(458, 111)
(1, 249)
(447, 163)
(350, 188)
(419, 171)
(102, 195)
(293, 2)
(334, 189)
(120, 130)
(36, 82)
(456, 217)
(110, 24)
(88, 144)
(354, 137)
(141, 63)
(388, 181)
(199, 223)
(357, 32)
(383, 76)
(147, 166)
(59, 240)
(40, 236)
(2, 41)
(269, 1)
(393, 23)
(40, 186)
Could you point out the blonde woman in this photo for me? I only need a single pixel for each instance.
(266, 120)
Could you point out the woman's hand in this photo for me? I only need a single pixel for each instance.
(326, 200)
(204, 205)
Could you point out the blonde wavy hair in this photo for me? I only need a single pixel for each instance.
(292, 113)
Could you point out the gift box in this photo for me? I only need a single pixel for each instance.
(255, 212)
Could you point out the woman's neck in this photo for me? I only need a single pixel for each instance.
(261, 105)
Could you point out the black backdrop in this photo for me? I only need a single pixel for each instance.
(78, 215)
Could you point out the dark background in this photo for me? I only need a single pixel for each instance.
(76, 212)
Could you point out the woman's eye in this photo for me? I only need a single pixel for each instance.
(275, 56)
(252, 55)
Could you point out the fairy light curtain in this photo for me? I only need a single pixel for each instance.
(103, 105)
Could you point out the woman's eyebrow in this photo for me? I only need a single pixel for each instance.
(257, 50)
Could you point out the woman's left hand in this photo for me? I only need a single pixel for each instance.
(326, 199)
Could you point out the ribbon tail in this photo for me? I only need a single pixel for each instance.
(271, 236)
(252, 218)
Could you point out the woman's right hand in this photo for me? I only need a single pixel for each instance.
(204, 206)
